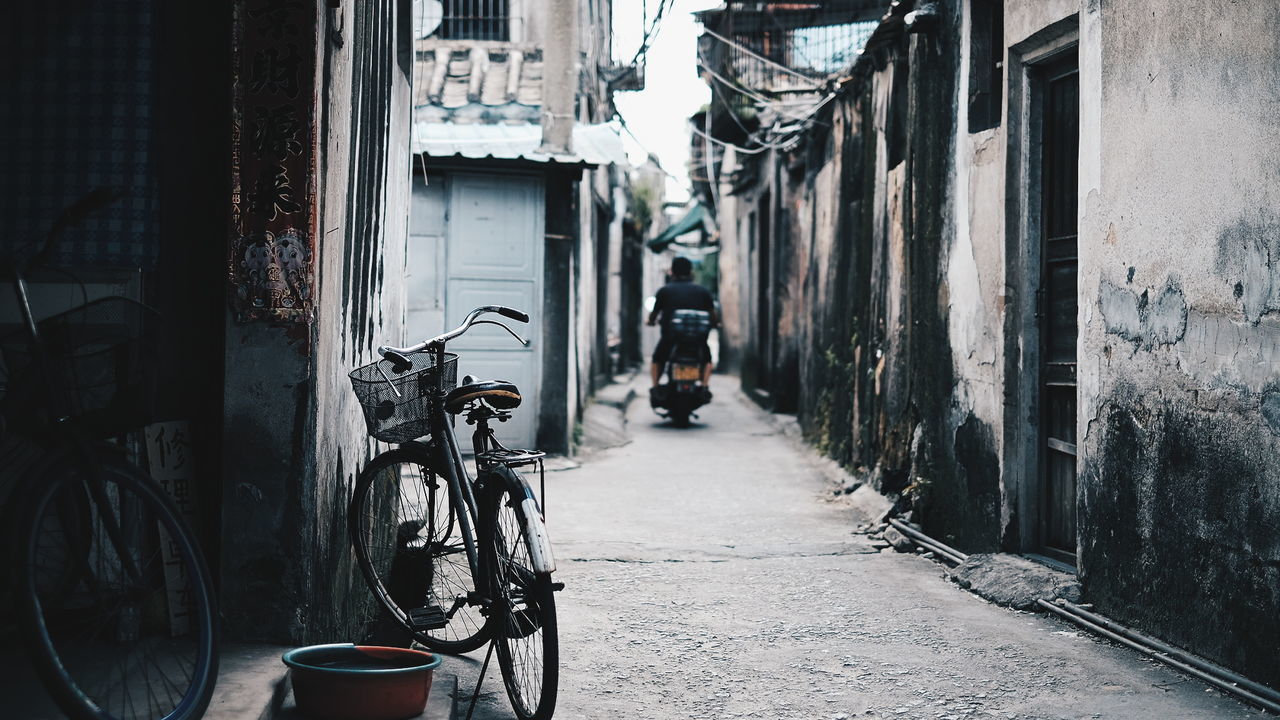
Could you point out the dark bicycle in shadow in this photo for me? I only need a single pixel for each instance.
(114, 600)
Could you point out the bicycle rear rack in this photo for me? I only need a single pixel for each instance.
(510, 458)
(517, 458)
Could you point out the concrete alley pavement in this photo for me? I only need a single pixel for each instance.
(709, 573)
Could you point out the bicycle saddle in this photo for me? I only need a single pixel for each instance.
(500, 394)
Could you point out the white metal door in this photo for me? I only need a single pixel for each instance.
(494, 257)
(424, 261)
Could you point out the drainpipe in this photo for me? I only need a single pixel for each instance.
(1216, 675)
(559, 75)
(1221, 678)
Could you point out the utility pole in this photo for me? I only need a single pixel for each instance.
(559, 75)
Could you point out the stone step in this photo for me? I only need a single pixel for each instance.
(252, 682)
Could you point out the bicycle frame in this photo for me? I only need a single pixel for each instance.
(82, 207)
(448, 451)
(35, 341)
(66, 433)
(450, 460)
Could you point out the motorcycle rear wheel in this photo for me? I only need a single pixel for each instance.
(678, 410)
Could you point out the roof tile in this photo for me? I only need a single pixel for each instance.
(507, 87)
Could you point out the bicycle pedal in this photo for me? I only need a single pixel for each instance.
(557, 587)
(431, 617)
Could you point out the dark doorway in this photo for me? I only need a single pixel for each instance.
(1056, 307)
(764, 297)
(604, 343)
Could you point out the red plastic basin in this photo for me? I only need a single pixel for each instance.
(360, 682)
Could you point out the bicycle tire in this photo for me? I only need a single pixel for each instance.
(393, 565)
(15, 503)
(522, 604)
(86, 641)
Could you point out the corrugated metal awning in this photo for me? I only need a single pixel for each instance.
(592, 144)
(696, 218)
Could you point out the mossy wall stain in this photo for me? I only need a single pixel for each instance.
(1178, 535)
(1247, 253)
(864, 301)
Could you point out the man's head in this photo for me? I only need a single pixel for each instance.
(681, 267)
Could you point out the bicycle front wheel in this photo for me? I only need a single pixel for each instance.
(116, 601)
(405, 530)
(523, 609)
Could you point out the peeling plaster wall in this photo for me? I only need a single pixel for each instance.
(906, 292)
(1180, 346)
(986, 278)
(855, 339)
(294, 435)
(733, 237)
(340, 604)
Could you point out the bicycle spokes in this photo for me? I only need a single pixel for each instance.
(524, 610)
(407, 534)
(96, 568)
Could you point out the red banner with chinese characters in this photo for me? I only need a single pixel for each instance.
(271, 258)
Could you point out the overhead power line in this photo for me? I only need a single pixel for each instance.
(738, 148)
(791, 134)
(739, 88)
(651, 32)
(759, 57)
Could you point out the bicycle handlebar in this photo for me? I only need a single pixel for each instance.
(510, 313)
(439, 340)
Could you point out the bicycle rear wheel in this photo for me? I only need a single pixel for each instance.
(523, 609)
(408, 541)
(133, 634)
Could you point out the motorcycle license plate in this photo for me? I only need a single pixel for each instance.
(686, 372)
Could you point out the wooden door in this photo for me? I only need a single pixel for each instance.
(1056, 312)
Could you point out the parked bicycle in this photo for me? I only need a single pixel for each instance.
(99, 555)
(458, 561)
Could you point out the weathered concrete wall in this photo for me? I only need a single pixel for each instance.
(975, 282)
(364, 238)
(1179, 503)
(851, 330)
(987, 344)
(729, 267)
(294, 436)
(901, 281)
(645, 198)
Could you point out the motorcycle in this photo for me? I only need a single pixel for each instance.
(684, 392)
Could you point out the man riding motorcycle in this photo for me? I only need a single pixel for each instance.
(681, 293)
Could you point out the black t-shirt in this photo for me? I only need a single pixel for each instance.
(682, 295)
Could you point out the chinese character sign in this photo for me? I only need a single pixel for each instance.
(169, 461)
(270, 261)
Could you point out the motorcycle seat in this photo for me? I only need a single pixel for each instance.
(499, 394)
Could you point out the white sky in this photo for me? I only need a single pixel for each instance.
(659, 114)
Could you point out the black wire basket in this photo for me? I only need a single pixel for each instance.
(395, 404)
(98, 367)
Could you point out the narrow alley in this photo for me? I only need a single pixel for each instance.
(709, 574)
(995, 278)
